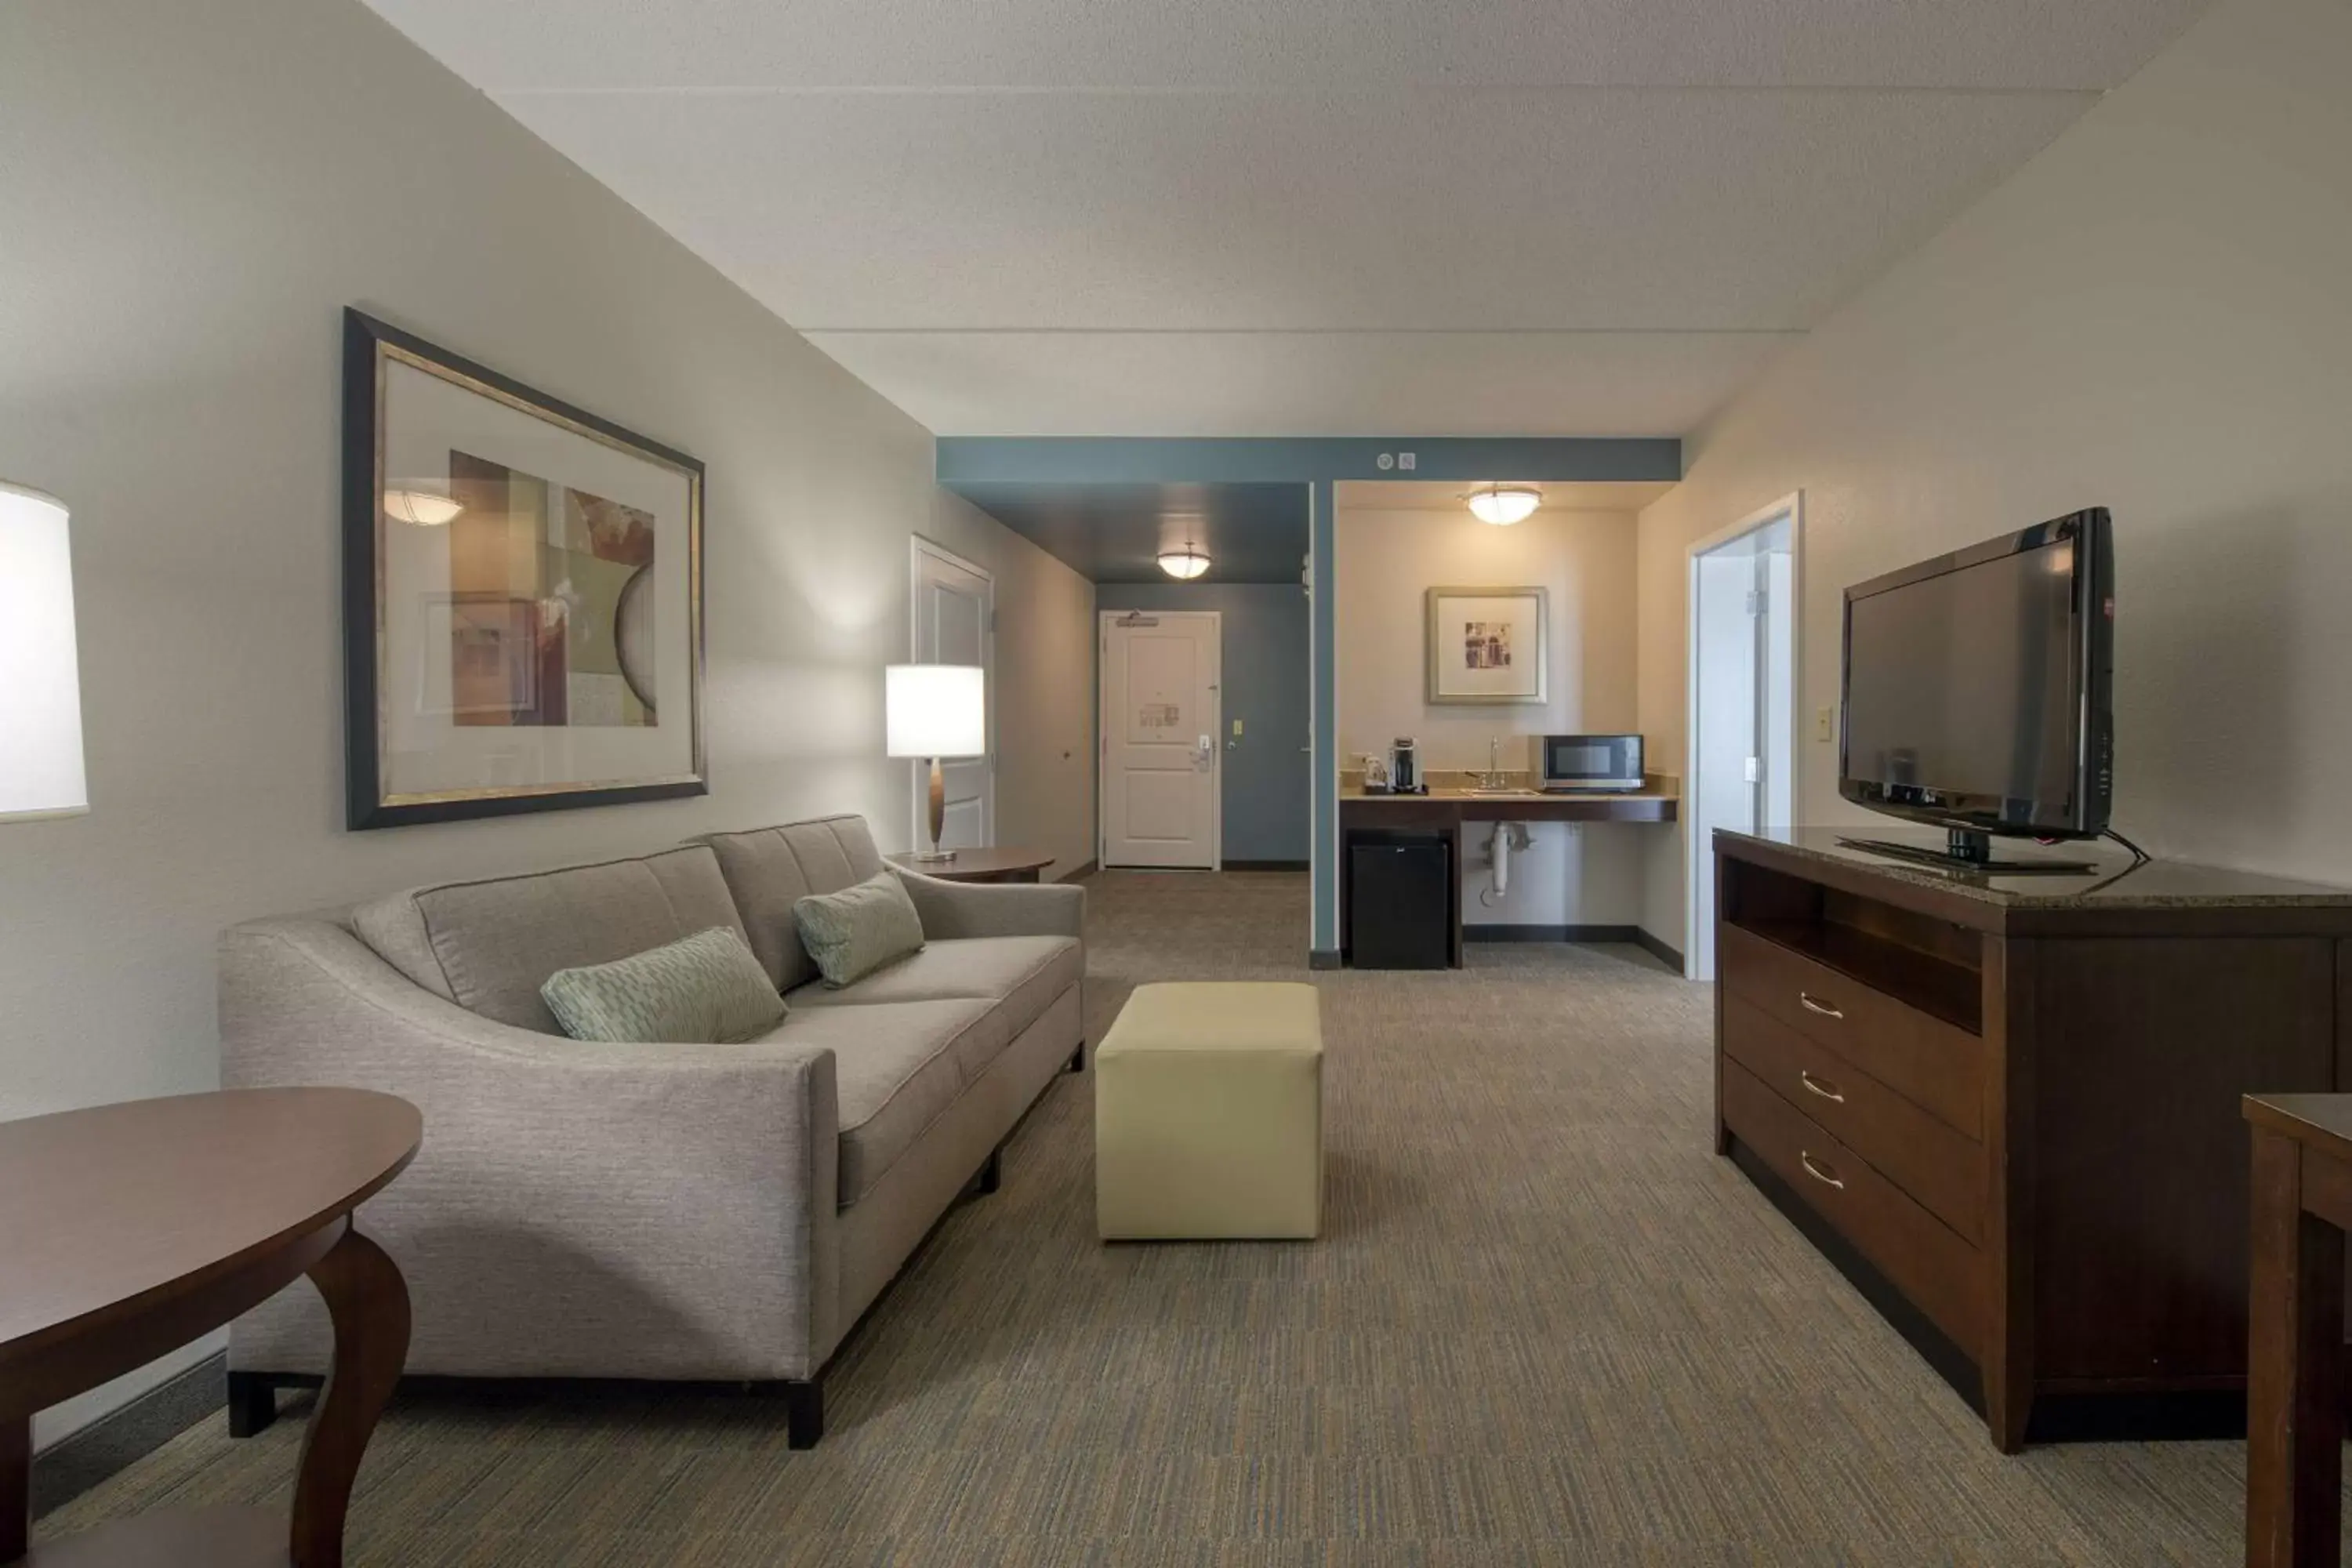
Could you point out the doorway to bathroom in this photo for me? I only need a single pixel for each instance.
(1744, 599)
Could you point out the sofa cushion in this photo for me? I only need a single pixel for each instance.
(857, 931)
(1022, 973)
(896, 1068)
(770, 868)
(489, 945)
(704, 989)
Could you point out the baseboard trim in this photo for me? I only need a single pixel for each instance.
(1323, 958)
(71, 1465)
(1549, 934)
(1265, 866)
(1657, 948)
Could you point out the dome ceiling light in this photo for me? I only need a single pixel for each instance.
(1186, 563)
(1183, 565)
(1503, 505)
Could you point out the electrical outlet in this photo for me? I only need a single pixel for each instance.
(1825, 724)
(1404, 461)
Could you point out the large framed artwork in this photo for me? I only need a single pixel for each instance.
(1488, 645)
(522, 595)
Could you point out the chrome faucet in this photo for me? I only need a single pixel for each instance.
(1493, 777)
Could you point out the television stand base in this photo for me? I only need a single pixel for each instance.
(1967, 851)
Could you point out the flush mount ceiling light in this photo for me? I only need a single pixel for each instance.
(1503, 505)
(1187, 563)
(1183, 565)
(423, 508)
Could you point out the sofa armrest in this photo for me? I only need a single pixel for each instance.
(576, 1209)
(953, 909)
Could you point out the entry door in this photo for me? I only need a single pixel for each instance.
(955, 607)
(1160, 723)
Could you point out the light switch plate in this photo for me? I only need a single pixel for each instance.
(1238, 726)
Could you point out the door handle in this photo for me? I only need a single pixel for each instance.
(1207, 753)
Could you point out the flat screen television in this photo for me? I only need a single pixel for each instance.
(1977, 690)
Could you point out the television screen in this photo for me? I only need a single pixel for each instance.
(1975, 685)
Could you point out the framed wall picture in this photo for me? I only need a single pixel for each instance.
(1488, 645)
(522, 587)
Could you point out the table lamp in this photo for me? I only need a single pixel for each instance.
(936, 710)
(40, 687)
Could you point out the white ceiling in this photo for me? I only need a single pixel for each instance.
(1310, 217)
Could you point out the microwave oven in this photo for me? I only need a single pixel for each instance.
(1574, 763)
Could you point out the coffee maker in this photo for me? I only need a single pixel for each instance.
(1404, 768)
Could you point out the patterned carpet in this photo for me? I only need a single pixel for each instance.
(1546, 1326)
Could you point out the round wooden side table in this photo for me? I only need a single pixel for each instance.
(131, 1229)
(980, 865)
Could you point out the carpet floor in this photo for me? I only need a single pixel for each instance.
(1546, 1326)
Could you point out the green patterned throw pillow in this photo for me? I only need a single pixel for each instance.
(699, 990)
(858, 930)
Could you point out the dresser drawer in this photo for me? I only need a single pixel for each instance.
(1941, 1274)
(1944, 1171)
(1923, 1058)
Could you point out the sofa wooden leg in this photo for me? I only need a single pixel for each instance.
(991, 1174)
(803, 1413)
(1078, 1058)
(252, 1402)
(803, 1408)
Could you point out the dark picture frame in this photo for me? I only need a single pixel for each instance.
(372, 798)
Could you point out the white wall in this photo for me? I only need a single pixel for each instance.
(1385, 561)
(192, 194)
(2155, 315)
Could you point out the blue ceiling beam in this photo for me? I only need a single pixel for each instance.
(1152, 460)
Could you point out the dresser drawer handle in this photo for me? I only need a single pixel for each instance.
(1823, 1008)
(1817, 1174)
(1826, 1091)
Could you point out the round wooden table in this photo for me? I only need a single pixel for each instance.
(129, 1230)
(980, 865)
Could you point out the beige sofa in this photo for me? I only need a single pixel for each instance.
(720, 1212)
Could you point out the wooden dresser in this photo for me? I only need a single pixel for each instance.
(2008, 1107)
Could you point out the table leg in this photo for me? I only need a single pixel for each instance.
(2295, 1352)
(16, 1486)
(368, 1300)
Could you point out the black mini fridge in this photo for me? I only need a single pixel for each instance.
(1399, 908)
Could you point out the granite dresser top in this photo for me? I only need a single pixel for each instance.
(2116, 884)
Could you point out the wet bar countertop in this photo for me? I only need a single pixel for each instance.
(2116, 884)
(1458, 802)
(1658, 800)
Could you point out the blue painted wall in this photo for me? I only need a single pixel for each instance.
(1267, 781)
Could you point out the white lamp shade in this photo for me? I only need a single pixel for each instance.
(40, 687)
(936, 710)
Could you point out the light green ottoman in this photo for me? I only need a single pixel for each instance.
(1209, 1114)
